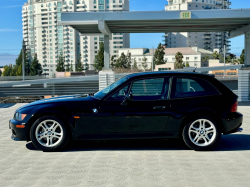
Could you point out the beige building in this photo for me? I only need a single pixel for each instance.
(191, 55)
(207, 40)
(43, 35)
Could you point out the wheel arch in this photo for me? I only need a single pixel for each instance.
(48, 113)
(202, 112)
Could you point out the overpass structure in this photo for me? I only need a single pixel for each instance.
(236, 22)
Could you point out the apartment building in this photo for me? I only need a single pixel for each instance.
(44, 36)
(207, 40)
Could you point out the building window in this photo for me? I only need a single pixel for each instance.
(101, 2)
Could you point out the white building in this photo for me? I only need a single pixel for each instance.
(43, 35)
(191, 55)
(208, 40)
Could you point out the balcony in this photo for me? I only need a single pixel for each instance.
(217, 46)
(207, 37)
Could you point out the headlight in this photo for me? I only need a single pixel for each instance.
(19, 117)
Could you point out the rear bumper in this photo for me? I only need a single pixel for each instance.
(233, 122)
(18, 134)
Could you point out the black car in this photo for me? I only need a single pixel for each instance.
(192, 106)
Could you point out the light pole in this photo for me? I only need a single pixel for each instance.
(153, 59)
(23, 68)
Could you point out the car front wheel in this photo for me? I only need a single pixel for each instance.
(202, 134)
(49, 133)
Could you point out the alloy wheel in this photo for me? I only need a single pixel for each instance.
(49, 133)
(202, 132)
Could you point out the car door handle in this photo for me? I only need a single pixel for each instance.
(159, 107)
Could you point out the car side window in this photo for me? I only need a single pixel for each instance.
(119, 95)
(148, 89)
(192, 87)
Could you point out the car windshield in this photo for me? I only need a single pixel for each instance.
(105, 91)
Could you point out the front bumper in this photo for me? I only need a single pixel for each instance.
(18, 134)
(233, 122)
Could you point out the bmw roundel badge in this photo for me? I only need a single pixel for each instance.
(95, 110)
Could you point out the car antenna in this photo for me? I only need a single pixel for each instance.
(194, 69)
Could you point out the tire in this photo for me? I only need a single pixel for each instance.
(49, 133)
(199, 138)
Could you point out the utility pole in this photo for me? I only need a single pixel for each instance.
(153, 59)
(23, 64)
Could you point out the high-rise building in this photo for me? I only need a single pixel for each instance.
(44, 36)
(207, 40)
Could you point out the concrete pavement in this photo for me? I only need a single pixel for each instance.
(125, 163)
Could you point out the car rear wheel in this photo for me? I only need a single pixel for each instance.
(49, 133)
(202, 134)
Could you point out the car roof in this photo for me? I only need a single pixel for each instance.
(157, 73)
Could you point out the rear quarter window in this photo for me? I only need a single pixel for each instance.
(192, 87)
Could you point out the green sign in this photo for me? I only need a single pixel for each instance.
(185, 15)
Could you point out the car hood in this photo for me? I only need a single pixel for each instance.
(57, 99)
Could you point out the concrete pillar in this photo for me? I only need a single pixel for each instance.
(247, 49)
(243, 84)
(106, 52)
(244, 73)
(106, 76)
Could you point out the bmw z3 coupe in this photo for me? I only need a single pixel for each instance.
(194, 107)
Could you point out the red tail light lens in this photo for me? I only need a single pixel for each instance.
(234, 107)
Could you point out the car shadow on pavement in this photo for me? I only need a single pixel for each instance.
(7, 105)
(233, 142)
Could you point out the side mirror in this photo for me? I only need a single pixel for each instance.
(127, 99)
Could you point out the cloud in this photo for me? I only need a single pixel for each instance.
(9, 30)
(11, 6)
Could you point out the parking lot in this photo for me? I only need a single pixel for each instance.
(125, 163)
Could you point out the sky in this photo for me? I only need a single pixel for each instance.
(11, 27)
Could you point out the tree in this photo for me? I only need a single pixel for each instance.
(216, 55)
(242, 57)
(129, 60)
(60, 63)
(71, 67)
(35, 67)
(6, 71)
(144, 63)
(205, 58)
(1, 73)
(79, 66)
(112, 61)
(135, 67)
(14, 70)
(99, 58)
(19, 71)
(178, 61)
(67, 67)
(124, 61)
(187, 64)
(159, 55)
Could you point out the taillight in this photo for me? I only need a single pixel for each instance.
(234, 107)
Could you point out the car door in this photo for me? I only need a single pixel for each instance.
(113, 116)
(148, 112)
(150, 99)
